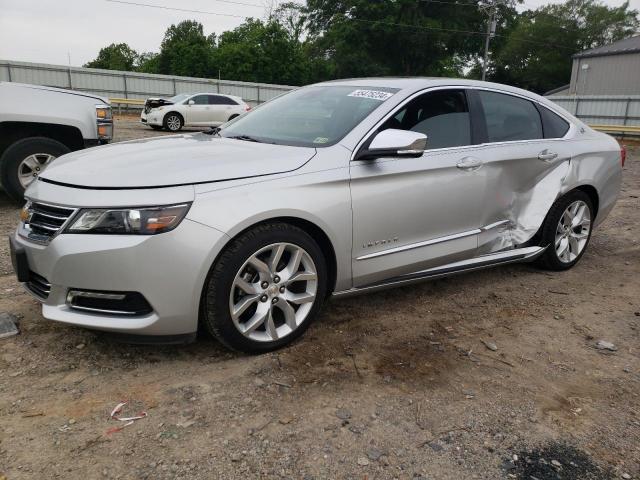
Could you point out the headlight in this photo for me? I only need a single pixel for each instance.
(128, 221)
(103, 112)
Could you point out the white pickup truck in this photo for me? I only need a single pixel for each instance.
(38, 124)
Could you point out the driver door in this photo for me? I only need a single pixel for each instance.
(199, 112)
(411, 214)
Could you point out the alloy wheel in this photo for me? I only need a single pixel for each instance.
(273, 292)
(572, 232)
(173, 122)
(32, 166)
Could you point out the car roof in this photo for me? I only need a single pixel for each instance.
(215, 93)
(419, 83)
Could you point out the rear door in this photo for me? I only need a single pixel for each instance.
(525, 160)
(221, 108)
(415, 213)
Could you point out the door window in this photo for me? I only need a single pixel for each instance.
(443, 116)
(510, 118)
(200, 100)
(220, 100)
(554, 125)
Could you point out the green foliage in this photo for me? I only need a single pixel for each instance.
(117, 56)
(536, 54)
(326, 39)
(186, 51)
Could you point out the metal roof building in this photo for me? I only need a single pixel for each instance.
(612, 69)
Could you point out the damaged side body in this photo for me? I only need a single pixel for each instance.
(524, 188)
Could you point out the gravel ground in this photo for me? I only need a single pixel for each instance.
(399, 384)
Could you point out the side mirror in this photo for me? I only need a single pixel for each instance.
(395, 143)
(191, 102)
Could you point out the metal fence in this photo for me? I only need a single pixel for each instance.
(132, 85)
(602, 109)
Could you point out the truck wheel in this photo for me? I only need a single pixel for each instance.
(24, 160)
(173, 121)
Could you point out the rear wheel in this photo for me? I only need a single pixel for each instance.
(265, 289)
(566, 231)
(24, 160)
(173, 122)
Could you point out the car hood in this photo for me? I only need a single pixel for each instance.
(61, 90)
(172, 161)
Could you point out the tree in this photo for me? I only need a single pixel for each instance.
(258, 51)
(185, 50)
(536, 54)
(117, 56)
(148, 62)
(403, 37)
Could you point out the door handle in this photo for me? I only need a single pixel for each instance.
(469, 163)
(547, 156)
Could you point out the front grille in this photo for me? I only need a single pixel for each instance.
(44, 221)
(38, 285)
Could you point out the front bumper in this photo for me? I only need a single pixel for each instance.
(152, 118)
(168, 269)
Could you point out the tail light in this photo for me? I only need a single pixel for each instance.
(623, 154)
(247, 108)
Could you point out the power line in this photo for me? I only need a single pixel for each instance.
(188, 10)
(451, 30)
(375, 22)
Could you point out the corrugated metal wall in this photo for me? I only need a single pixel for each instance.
(602, 109)
(113, 83)
(606, 75)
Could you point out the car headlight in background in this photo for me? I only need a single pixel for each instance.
(128, 221)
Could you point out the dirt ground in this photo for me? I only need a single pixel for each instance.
(400, 384)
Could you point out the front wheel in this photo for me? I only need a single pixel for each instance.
(173, 122)
(566, 231)
(22, 162)
(265, 289)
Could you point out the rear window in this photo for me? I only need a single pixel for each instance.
(510, 118)
(554, 125)
(220, 100)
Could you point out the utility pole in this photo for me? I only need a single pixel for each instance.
(492, 10)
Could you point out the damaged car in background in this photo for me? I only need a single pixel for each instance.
(334, 189)
(191, 110)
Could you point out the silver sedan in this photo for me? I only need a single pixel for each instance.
(333, 189)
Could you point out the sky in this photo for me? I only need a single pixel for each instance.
(73, 31)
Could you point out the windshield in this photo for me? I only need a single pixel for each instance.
(309, 117)
(179, 98)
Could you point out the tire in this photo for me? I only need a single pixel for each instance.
(18, 160)
(551, 230)
(173, 122)
(156, 127)
(235, 115)
(221, 292)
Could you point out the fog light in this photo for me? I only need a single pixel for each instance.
(112, 303)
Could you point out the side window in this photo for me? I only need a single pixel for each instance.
(510, 118)
(554, 125)
(200, 100)
(220, 100)
(443, 116)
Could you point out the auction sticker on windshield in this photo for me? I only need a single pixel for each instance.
(372, 94)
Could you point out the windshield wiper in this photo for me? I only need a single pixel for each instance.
(213, 131)
(246, 138)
